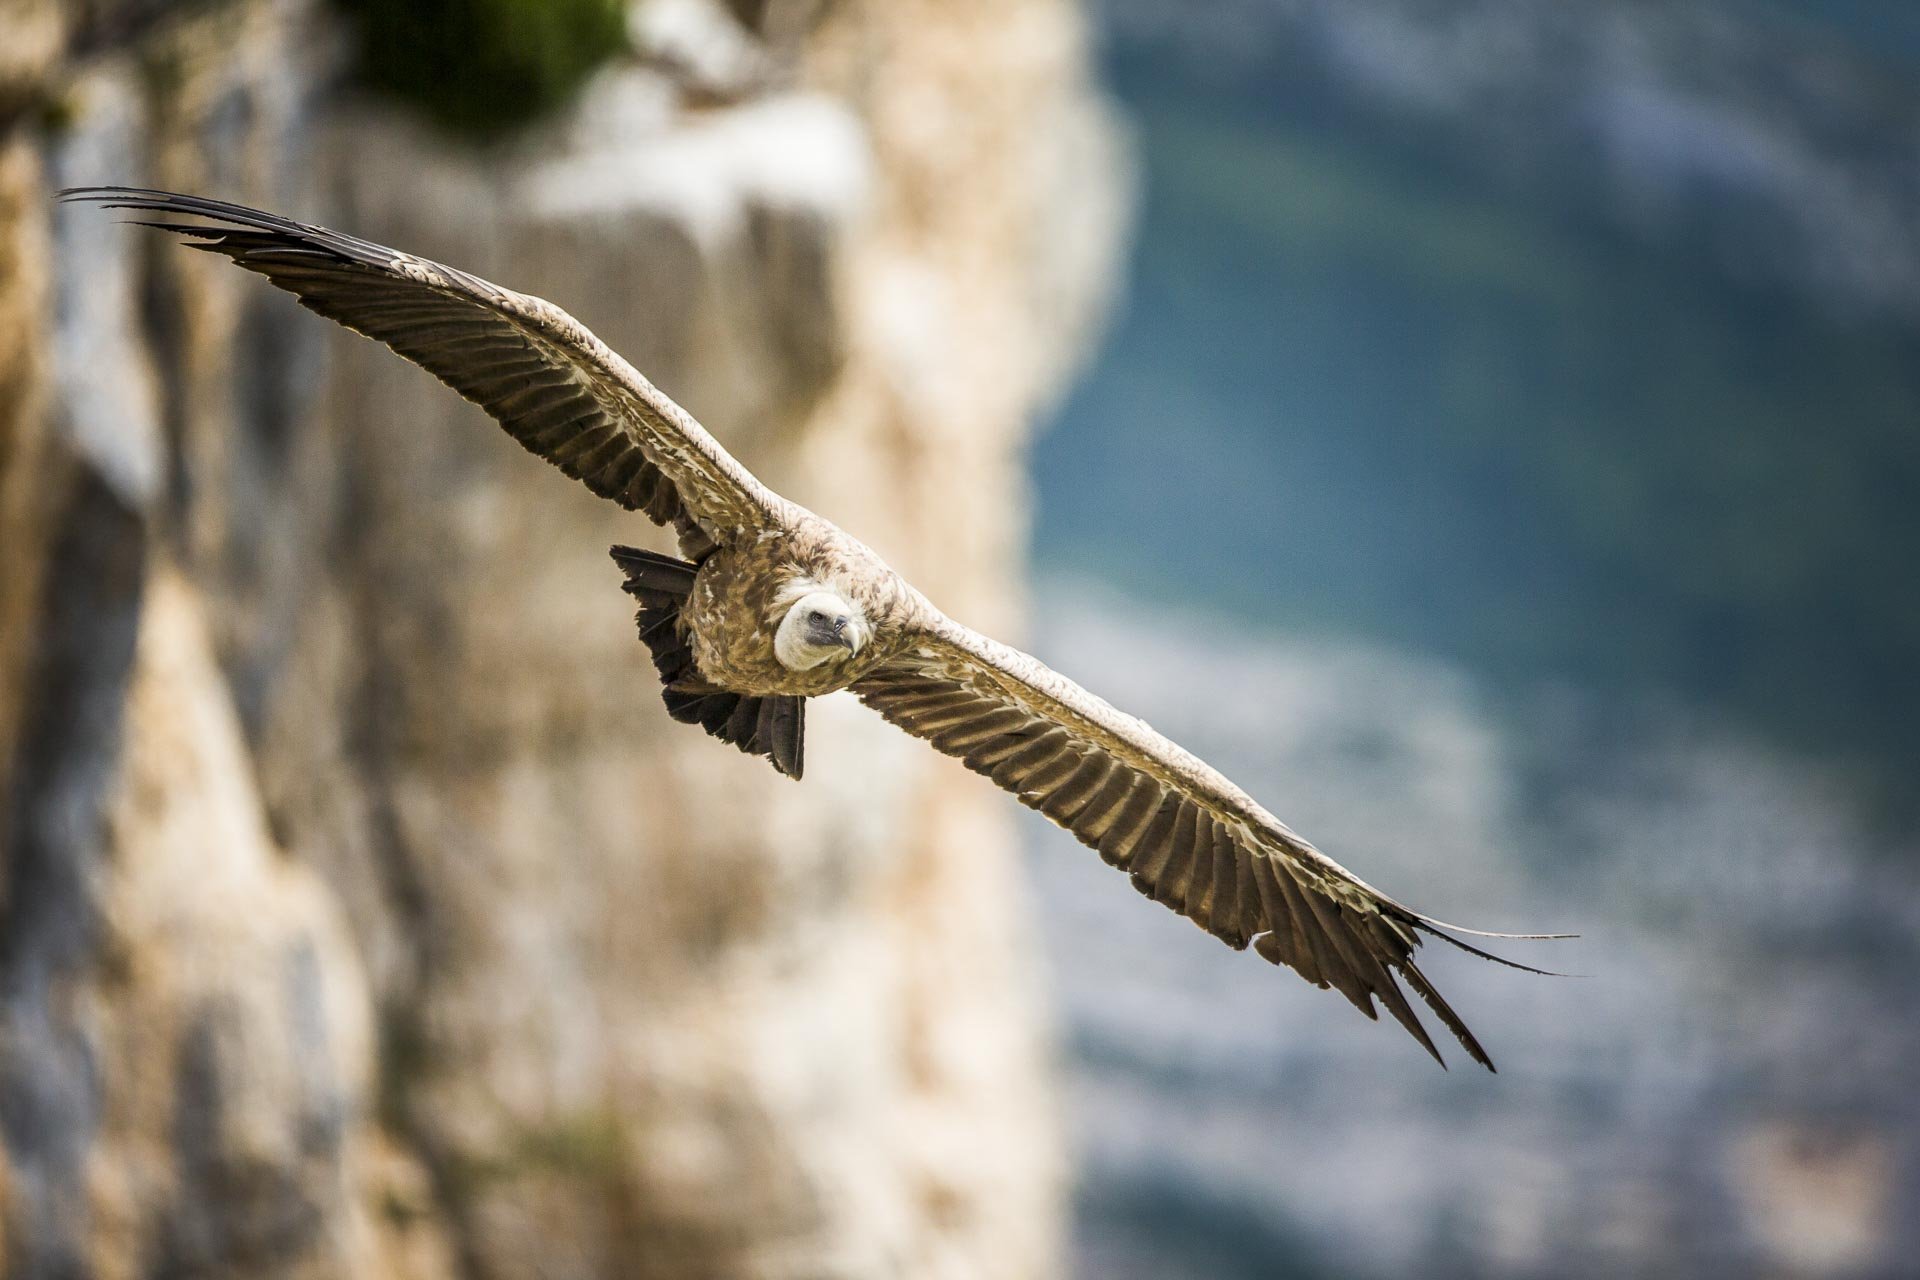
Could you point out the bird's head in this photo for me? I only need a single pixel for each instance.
(821, 626)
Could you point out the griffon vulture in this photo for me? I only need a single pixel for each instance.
(773, 605)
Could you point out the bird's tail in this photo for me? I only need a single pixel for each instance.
(774, 726)
(654, 577)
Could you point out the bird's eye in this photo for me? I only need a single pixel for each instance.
(816, 616)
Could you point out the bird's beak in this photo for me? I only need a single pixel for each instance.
(847, 641)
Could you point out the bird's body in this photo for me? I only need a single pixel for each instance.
(761, 580)
(772, 605)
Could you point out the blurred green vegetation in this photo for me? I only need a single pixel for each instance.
(1362, 388)
(480, 67)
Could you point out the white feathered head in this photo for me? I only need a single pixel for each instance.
(820, 626)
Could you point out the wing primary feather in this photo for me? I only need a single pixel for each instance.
(1134, 815)
(1034, 770)
(1150, 867)
(1306, 926)
(1390, 995)
(935, 721)
(979, 728)
(1252, 909)
(917, 700)
(1079, 790)
(1092, 822)
(1284, 942)
(1421, 924)
(1442, 1010)
(1433, 924)
(1184, 852)
(1197, 892)
(1343, 960)
(1146, 839)
(1224, 913)
(1340, 923)
(1008, 745)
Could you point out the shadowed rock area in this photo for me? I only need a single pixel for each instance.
(364, 913)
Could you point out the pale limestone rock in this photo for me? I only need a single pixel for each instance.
(35, 32)
(228, 989)
(368, 915)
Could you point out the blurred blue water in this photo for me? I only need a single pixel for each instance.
(1726, 1092)
(1506, 463)
(1618, 384)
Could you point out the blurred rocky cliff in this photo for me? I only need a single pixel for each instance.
(360, 911)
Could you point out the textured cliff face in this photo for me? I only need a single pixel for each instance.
(364, 913)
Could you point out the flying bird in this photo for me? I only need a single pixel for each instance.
(770, 605)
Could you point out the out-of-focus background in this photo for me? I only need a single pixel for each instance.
(1489, 430)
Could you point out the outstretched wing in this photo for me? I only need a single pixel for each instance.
(1188, 837)
(540, 373)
